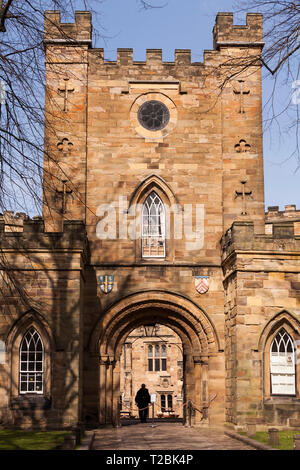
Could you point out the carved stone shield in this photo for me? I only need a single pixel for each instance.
(202, 284)
(106, 283)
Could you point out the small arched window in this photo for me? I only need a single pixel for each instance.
(153, 227)
(31, 363)
(282, 364)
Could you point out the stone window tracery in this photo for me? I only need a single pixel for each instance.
(31, 363)
(153, 227)
(153, 115)
(282, 365)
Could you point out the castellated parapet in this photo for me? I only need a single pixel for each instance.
(289, 212)
(227, 34)
(13, 222)
(282, 235)
(32, 236)
(80, 31)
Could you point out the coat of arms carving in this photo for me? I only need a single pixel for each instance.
(202, 284)
(106, 283)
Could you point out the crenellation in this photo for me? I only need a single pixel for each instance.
(79, 31)
(182, 56)
(96, 56)
(153, 56)
(13, 222)
(289, 212)
(209, 57)
(278, 234)
(226, 33)
(124, 56)
(32, 234)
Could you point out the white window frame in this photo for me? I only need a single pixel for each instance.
(282, 365)
(28, 372)
(153, 227)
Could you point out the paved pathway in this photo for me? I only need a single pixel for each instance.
(164, 437)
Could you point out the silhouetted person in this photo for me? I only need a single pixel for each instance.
(142, 400)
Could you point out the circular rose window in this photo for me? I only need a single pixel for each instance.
(153, 115)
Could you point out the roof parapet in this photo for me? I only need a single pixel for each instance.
(57, 32)
(227, 34)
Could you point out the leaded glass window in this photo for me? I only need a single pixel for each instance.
(157, 358)
(153, 115)
(282, 365)
(153, 227)
(31, 363)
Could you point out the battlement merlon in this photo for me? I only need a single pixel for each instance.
(282, 235)
(33, 236)
(289, 212)
(79, 32)
(227, 34)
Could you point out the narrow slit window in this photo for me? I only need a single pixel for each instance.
(150, 358)
(163, 402)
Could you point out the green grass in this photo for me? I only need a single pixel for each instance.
(31, 440)
(285, 439)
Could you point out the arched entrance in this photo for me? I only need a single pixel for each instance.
(153, 355)
(192, 325)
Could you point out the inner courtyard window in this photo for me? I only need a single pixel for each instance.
(166, 402)
(153, 227)
(31, 363)
(157, 357)
(282, 365)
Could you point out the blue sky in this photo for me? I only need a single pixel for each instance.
(188, 25)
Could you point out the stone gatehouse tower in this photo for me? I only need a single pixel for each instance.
(153, 214)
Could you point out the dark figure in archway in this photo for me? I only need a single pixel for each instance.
(142, 400)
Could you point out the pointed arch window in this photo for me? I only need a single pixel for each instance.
(31, 363)
(282, 364)
(153, 227)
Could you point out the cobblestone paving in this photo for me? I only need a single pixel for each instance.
(164, 437)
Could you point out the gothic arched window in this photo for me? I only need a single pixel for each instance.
(282, 364)
(31, 362)
(153, 227)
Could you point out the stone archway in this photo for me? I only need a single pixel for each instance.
(198, 336)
